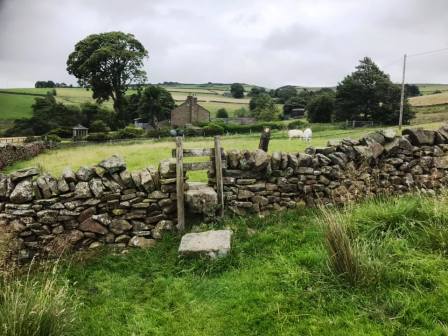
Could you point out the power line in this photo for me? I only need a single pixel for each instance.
(428, 52)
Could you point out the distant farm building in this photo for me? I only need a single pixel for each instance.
(189, 112)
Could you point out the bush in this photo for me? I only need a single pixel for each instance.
(98, 137)
(222, 113)
(65, 133)
(53, 138)
(33, 307)
(158, 133)
(213, 129)
(30, 139)
(320, 108)
(242, 112)
(99, 126)
(130, 132)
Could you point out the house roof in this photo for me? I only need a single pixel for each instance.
(79, 127)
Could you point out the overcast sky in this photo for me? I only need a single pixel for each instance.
(264, 42)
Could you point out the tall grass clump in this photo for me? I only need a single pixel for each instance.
(344, 259)
(35, 306)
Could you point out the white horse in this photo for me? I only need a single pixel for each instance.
(307, 134)
(295, 134)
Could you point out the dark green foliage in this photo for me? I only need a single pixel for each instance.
(237, 90)
(293, 103)
(256, 90)
(129, 132)
(222, 113)
(98, 137)
(108, 63)
(411, 90)
(92, 112)
(368, 94)
(99, 126)
(44, 84)
(320, 108)
(213, 129)
(53, 138)
(155, 105)
(263, 107)
(47, 115)
(284, 93)
(158, 133)
(296, 124)
(62, 132)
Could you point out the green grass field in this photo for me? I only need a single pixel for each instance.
(142, 153)
(277, 279)
(19, 106)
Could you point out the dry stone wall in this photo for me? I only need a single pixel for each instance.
(104, 204)
(380, 163)
(107, 204)
(10, 153)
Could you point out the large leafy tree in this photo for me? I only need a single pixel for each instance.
(320, 108)
(263, 107)
(108, 63)
(237, 90)
(369, 94)
(155, 104)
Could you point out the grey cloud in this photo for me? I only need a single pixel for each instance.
(309, 42)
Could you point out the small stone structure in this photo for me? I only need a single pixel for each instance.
(79, 132)
(215, 243)
(189, 112)
(10, 153)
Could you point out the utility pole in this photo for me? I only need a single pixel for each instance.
(400, 121)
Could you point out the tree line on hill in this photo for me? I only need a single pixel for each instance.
(109, 64)
(50, 84)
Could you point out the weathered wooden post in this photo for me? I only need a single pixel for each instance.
(180, 184)
(264, 139)
(218, 172)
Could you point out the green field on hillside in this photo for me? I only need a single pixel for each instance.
(431, 88)
(15, 105)
(277, 279)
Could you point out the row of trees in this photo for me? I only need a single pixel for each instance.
(367, 94)
(50, 84)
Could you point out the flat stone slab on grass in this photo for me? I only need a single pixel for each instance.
(215, 243)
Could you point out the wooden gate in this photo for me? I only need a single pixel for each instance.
(181, 167)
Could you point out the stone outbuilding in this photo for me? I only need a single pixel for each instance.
(189, 112)
(79, 132)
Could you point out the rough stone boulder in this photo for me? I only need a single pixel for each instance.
(215, 243)
(23, 174)
(419, 136)
(201, 199)
(261, 159)
(114, 164)
(141, 242)
(23, 192)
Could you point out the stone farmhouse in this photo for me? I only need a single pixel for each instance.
(189, 112)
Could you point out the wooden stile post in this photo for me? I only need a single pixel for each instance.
(264, 139)
(218, 172)
(180, 185)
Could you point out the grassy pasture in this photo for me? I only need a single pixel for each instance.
(142, 153)
(426, 89)
(428, 100)
(277, 279)
(14, 106)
